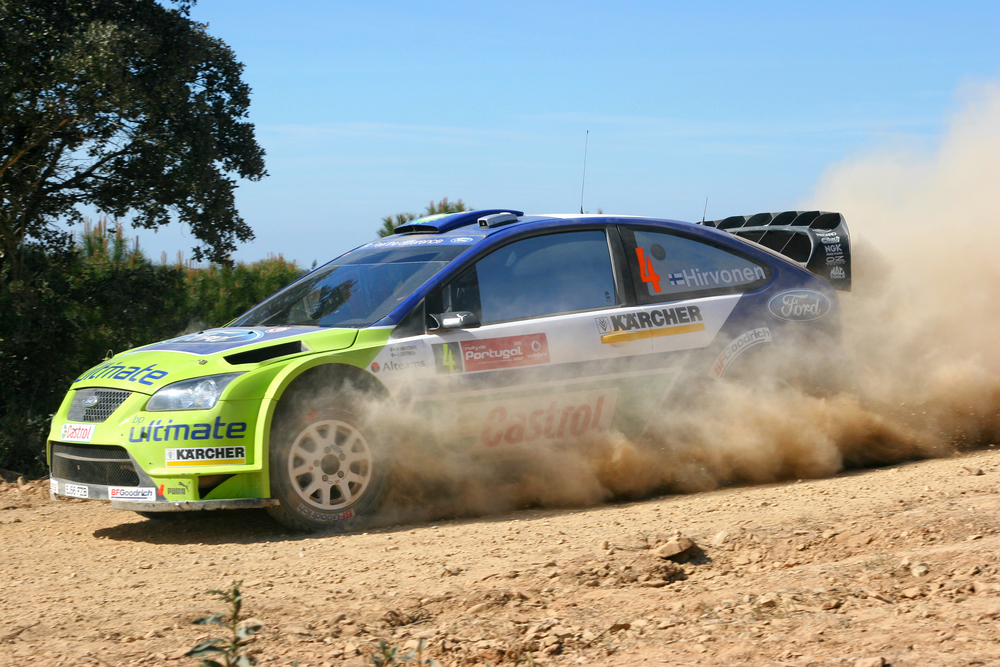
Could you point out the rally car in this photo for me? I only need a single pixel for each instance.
(506, 331)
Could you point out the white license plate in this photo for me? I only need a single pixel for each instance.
(76, 491)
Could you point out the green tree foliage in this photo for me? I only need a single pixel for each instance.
(68, 308)
(218, 294)
(390, 222)
(126, 106)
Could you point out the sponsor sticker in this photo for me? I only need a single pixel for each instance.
(180, 490)
(506, 352)
(116, 371)
(76, 491)
(533, 419)
(77, 432)
(137, 493)
(837, 273)
(324, 518)
(276, 330)
(201, 456)
(653, 324)
(53, 485)
(799, 305)
(830, 239)
(463, 239)
(392, 365)
(157, 431)
(737, 347)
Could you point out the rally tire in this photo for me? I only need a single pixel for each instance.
(325, 470)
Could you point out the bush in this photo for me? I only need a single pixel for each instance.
(67, 310)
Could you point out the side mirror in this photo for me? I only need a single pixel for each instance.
(461, 319)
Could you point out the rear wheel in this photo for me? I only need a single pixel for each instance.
(324, 469)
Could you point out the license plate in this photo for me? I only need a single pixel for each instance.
(76, 491)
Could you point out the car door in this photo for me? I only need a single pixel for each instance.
(688, 287)
(538, 368)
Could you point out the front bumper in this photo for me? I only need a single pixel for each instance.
(194, 505)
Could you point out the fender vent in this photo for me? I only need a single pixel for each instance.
(266, 353)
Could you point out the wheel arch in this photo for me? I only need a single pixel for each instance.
(327, 371)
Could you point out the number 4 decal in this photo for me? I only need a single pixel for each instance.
(646, 271)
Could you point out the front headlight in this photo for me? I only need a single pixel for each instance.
(196, 394)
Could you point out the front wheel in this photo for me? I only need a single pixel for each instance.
(324, 470)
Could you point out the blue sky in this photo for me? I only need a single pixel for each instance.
(370, 109)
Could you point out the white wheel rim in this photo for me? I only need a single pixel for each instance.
(330, 465)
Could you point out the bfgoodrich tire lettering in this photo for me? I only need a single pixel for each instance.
(325, 471)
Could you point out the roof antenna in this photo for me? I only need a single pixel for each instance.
(586, 142)
(705, 211)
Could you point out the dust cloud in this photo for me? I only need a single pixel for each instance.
(918, 369)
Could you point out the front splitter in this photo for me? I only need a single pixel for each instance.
(194, 505)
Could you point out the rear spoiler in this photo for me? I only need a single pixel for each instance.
(817, 240)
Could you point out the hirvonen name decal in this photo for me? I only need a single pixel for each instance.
(202, 456)
(656, 323)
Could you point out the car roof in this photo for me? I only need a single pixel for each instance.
(468, 222)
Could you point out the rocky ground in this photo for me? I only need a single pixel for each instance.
(894, 566)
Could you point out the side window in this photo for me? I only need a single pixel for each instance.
(541, 275)
(668, 267)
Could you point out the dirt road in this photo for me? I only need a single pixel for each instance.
(898, 565)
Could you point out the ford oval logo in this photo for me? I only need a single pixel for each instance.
(799, 305)
(90, 401)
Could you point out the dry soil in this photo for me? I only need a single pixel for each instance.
(896, 566)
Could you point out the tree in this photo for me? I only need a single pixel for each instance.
(390, 222)
(124, 105)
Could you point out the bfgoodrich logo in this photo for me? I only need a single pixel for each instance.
(799, 305)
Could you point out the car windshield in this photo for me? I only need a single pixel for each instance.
(357, 289)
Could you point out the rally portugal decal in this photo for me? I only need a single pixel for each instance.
(489, 354)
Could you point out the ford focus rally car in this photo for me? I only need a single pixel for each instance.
(506, 331)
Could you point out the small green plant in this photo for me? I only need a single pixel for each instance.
(230, 650)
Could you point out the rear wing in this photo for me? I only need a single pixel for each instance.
(817, 240)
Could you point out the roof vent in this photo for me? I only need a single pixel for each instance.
(437, 224)
(497, 219)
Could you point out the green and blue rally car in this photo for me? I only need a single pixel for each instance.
(507, 332)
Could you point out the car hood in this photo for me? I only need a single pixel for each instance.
(210, 352)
